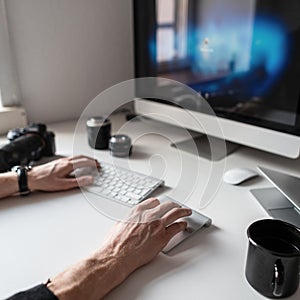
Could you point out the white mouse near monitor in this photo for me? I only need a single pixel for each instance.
(238, 175)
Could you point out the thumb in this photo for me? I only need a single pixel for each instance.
(85, 180)
(175, 228)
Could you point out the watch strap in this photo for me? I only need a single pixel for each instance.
(22, 179)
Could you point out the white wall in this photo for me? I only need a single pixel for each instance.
(67, 51)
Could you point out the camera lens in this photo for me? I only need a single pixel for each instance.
(98, 129)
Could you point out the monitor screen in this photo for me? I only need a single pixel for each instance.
(242, 56)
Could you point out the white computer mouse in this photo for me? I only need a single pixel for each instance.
(238, 175)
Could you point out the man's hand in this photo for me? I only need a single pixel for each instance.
(131, 244)
(55, 175)
(150, 226)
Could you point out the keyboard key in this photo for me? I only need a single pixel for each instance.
(133, 196)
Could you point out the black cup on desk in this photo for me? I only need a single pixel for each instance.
(98, 130)
(273, 261)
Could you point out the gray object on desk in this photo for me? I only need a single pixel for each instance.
(282, 201)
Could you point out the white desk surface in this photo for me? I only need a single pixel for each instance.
(44, 233)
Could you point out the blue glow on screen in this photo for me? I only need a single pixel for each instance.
(152, 46)
(253, 55)
(270, 48)
(214, 50)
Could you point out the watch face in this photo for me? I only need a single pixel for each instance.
(26, 168)
(15, 168)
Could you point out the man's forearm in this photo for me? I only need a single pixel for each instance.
(9, 184)
(90, 279)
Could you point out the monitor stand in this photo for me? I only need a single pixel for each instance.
(211, 148)
(281, 201)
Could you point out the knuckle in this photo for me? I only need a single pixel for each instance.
(155, 224)
(175, 210)
(137, 209)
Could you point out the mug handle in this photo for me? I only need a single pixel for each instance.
(278, 279)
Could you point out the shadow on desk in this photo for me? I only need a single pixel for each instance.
(35, 198)
(165, 265)
(200, 237)
(138, 153)
(251, 182)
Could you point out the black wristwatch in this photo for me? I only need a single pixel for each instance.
(22, 179)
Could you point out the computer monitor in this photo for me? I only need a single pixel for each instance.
(242, 56)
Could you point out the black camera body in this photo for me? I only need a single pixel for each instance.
(26, 145)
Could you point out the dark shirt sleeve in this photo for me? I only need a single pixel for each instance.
(39, 292)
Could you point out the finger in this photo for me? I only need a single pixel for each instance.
(148, 204)
(85, 180)
(175, 228)
(175, 214)
(163, 208)
(84, 162)
(70, 183)
(138, 213)
(83, 158)
(78, 157)
(66, 184)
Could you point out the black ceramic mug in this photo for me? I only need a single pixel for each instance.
(273, 261)
(98, 130)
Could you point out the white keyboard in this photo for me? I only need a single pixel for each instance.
(123, 185)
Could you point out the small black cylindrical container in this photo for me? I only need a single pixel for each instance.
(120, 145)
(273, 260)
(98, 130)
